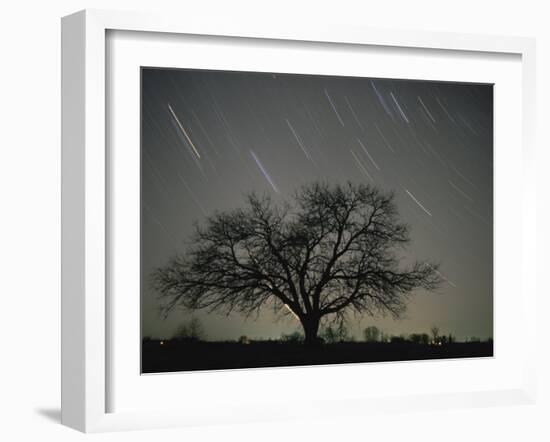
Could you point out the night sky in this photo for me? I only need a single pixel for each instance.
(209, 137)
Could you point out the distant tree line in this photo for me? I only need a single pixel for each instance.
(192, 330)
(374, 334)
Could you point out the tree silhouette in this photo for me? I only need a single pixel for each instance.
(435, 333)
(190, 331)
(294, 337)
(329, 335)
(334, 250)
(338, 333)
(371, 334)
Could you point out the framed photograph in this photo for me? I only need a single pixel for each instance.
(283, 224)
(249, 211)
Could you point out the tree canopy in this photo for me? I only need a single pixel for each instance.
(330, 251)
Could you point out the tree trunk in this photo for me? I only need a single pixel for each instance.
(311, 328)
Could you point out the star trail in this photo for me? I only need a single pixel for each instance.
(210, 137)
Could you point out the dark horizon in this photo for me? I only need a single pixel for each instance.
(208, 137)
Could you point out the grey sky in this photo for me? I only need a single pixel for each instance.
(209, 137)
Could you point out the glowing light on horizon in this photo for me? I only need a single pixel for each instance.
(291, 312)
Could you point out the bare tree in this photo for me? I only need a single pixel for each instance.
(371, 334)
(435, 333)
(329, 335)
(424, 338)
(336, 333)
(331, 252)
(294, 337)
(191, 330)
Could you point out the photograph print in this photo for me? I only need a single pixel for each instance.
(292, 220)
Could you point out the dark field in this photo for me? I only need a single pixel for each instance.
(169, 356)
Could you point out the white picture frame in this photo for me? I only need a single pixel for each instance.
(85, 203)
